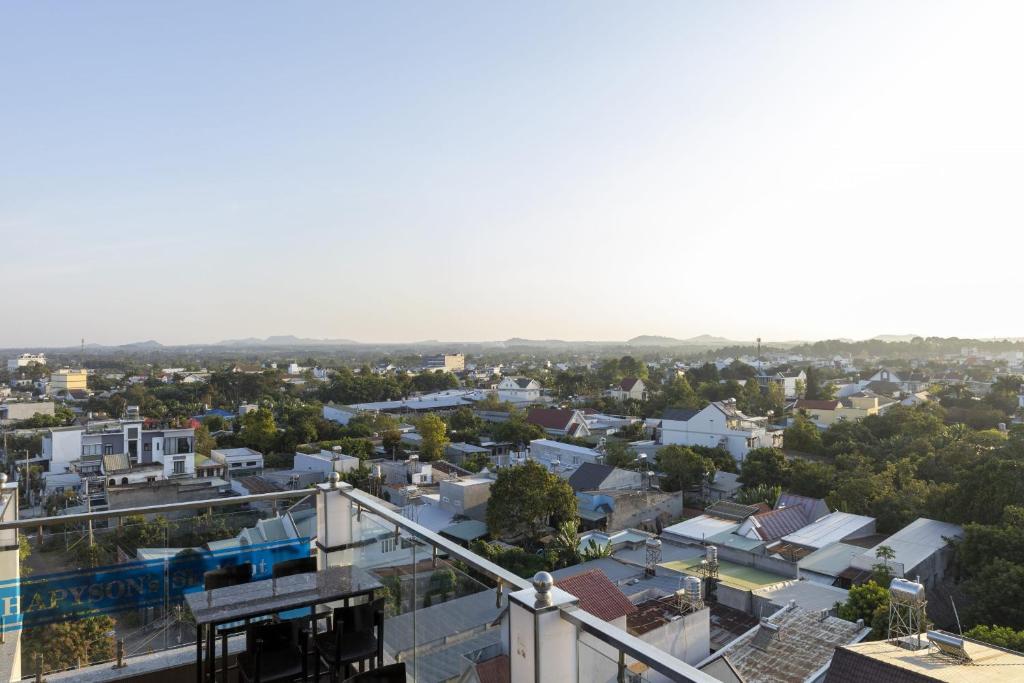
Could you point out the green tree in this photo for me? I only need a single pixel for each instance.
(527, 498)
(1000, 636)
(679, 394)
(565, 544)
(762, 493)
(869, 602)
(682, 468)
(204, 442)
(812, 479)
(434, 433)
(619, 454)
(802, 436)
(764, 466)
(259, 429)
(812, 387)
(517, 431)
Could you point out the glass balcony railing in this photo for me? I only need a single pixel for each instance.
(109, 586)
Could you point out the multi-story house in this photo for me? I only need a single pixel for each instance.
(174, 448)
(66, 380)
(718, 424)
(518, 389)
(630, 388)
(789, 381)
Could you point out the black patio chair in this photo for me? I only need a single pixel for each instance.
(356, 637)
(274, 652)
(392, 673)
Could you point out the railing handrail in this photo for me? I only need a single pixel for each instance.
(35, 522)
(673, 668)
(372, 503)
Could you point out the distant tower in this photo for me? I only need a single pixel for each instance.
(907, 612)
(81, 355)
(653, 546)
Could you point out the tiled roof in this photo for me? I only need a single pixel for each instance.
(550, 418)
(628, 383)
(597, 594)
(810, 404)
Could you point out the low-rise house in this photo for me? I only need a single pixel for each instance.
(518, 389)
(459, 451)
(325, 462)
(615, 510)
(793, 645)
(790, 382)
(239, 461)
(851, 408)
(922, 549)
(724, 486)
(559, 421)
(882, 661)
(719, 424)
(631, 389)
(466, 496)
(549, 452)
(591, 476)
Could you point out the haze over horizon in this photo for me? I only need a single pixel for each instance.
(579, 171)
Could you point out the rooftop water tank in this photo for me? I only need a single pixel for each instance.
(904, 592)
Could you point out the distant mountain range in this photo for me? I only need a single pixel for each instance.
(286, 340)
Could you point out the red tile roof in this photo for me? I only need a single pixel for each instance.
(809, 404)
(597, 594)
(550, 418)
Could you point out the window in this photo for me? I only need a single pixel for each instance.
(236, 464)
(250, 464)
(179, 466)
(147, 446)
(108, 448)
(92, 449)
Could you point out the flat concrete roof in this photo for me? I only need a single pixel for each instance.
(735, 575)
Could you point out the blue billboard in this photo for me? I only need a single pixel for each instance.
(44, 599)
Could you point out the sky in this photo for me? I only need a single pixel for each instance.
(195, 171)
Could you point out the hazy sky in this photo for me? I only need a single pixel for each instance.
(194, 171)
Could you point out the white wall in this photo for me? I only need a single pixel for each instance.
(688, 639)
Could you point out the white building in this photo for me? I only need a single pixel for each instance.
(630, 388)
(26, 359)
(518, 389)
(719, 424)
(173, 448)
(239, 461)
(325, 462)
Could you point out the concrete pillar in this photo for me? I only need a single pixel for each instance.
(10, 577)
(542, 645)
(334, 524)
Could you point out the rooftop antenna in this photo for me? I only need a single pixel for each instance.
(81, 355)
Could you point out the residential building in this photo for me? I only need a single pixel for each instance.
(549, 453)
(922, 551)
(66, 380)
(592, 476)
(518, 389)
(793, 645)
(719, 424)
(26, 359)
(723, 486)
(851, 408)
(943, 657)
(834, 527)
(446, 362)
(459, 451)
(466, 496)
(559, 421)
(173, 448)
(617, 509)
(325, 462)
(631, 388)
(789, 381)
(239, 461)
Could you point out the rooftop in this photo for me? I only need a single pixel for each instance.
(803, 644)
(597, 594)
(883, 662)
(917, 541)
(736, 575)
(700, 528)
(807, 594)
(831, 528)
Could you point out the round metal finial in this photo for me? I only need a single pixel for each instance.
(542, 583)
(3, 478)
(334, 478)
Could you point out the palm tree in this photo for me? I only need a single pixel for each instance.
(566, 544)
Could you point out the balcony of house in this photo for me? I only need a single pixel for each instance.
(317, 584)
